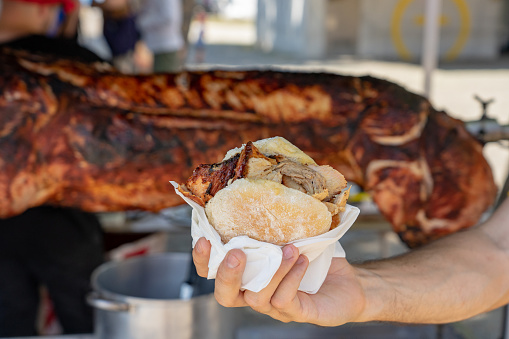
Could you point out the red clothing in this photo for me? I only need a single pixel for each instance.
(67, 5)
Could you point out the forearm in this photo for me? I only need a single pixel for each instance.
(449, 280)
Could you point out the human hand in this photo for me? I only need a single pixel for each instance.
(340, 299)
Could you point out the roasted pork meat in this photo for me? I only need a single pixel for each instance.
(84, 135)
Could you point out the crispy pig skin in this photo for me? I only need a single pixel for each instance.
(208, 179)
(83, 135)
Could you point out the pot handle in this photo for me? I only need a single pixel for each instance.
(94, 299)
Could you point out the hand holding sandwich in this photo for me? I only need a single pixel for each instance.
(454, 278)
(339, 300)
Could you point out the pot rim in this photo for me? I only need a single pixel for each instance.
(132, 300)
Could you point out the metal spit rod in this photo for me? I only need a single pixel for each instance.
(487, 129)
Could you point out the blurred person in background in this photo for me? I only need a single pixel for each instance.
(160, 25)
(121, 34)
(199, 56)
(129, 55)
(54, 247)
(52, 18)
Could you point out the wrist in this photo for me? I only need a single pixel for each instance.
(377, 294)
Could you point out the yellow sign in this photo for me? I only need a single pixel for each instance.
(453, 52)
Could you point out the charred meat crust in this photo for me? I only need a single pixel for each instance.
(207, 180)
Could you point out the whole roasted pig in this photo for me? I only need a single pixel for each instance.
(76, 134)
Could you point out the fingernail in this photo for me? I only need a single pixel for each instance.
(301, 260)
(199, 247)
(287, 253)
(232, 261)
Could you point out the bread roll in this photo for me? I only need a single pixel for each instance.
(276, 146)
(266, 211)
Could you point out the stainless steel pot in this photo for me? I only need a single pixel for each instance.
(139, 298)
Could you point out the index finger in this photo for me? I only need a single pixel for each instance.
(201, 255)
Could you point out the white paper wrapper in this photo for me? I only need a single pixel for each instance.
(264, 259)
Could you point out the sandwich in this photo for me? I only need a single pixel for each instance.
(268, 190)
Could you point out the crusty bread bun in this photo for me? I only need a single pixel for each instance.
(266, 211)
(276, 146)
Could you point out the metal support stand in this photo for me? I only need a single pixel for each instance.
(431, 41)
